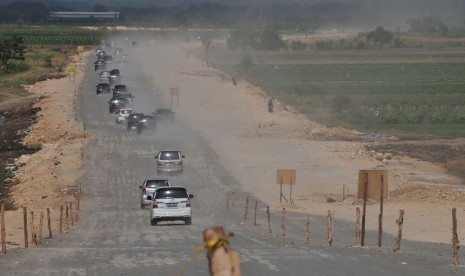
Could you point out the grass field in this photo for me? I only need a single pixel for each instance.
(398, 91)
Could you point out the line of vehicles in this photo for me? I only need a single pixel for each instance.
(166, 202)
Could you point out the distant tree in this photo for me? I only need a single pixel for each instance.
(246, 37)
(245, 64)
(30, 12)
(380, 36)
(11, 49)
(100, 8)
(429, 25)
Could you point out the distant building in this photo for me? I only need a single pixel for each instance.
(79, 16)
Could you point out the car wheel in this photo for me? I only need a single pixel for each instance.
(153, 222)
(188, 221)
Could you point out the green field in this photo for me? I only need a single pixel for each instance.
(411, 91)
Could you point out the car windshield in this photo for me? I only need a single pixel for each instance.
(171, 193)
(169, 155)
(156, 183)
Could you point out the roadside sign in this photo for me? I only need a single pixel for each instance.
(285, 177)
(72, 70)
(80, 48)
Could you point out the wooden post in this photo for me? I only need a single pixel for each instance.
(77, 207)
(33, 230)
(67, 218)
(61, 219)
(365, 196)
(455, 238)
(307, 231)
(343, 192)
(358, 240)
(283, 222)
(269, 218)
(41, 223)
(26, 241)
(233, 199)
(399, 222)
(255, 215)
(330, 227)
(2, 229)
(49, 224)
(71, 213)
(246, 211)
(380, 216)
(227, 201)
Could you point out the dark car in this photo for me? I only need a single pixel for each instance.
(120, 88)
(146, 123)
(116, 104)
(100, 65)
(103, 88)
(115, 76)
(133, 120)
(164, 114)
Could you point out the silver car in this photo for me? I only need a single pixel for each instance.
(149, 187)
(171, 203)
(169, 161)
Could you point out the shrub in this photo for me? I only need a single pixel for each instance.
(297, 45)
(460, 118)
(391, 117)
(414, 117)
(438, 117)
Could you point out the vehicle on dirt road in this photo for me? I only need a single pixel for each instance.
(103, 88)
(164, 114)
(133, 119)
(123, 114)
(116, 104)
(121, 89)
(100, 65)
(171, 204)
(169, 161)
(149, 187)
(115, 76)
(146, 123)
(104, 75)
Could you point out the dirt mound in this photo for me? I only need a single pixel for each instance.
(436, 195)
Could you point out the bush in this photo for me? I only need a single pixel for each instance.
(438, 117)
(245, 64)
(414, 117)
(340, 103)
(391, 118)
(324, 44)
(14, 67)
(460, 118)
(297, 45)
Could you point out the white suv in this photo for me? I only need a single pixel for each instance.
(171, 203)
(122, 115)
(169, 161)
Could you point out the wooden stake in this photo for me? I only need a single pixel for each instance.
(67, 218)
(380, 216)
(246, 211)
(283, 222)
(49, 224)
(399, 222)
(26, 241)
(330, 227)
(269, 218)
(61, 219)
(455, 238)
(343, 192)
(307, 231)
(255, 215)
(358, 239)
(33, 230)
(77, 207)
(71, 213)
(365, 196)
(233, 199)
(78, 203)
(41, 223)
(227, 201)
(2, 229)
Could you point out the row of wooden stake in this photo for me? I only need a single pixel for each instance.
(67, 218)
(359, 238)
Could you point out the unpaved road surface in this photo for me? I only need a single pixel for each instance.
(115, 236)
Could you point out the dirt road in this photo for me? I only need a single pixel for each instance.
(231, 144)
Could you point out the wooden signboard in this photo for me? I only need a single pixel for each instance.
(376, 179)
(285, 177)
